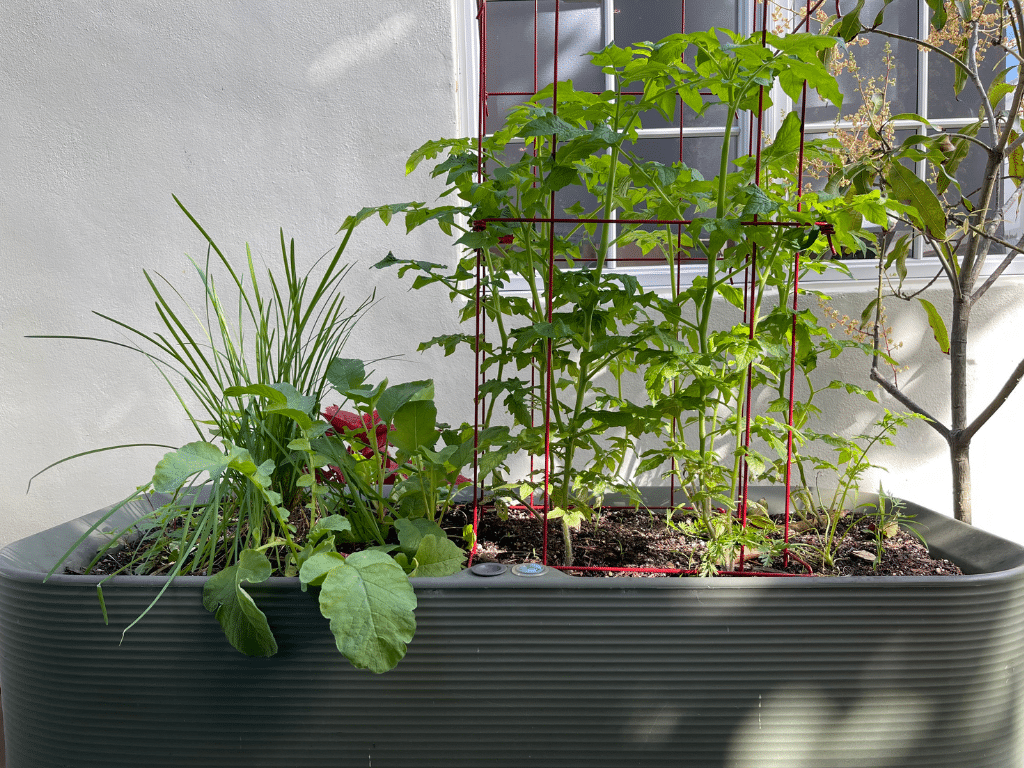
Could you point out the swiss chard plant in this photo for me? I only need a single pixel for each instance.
(584, 364)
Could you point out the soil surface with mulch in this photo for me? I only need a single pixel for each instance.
(628, 538)
(639, 538)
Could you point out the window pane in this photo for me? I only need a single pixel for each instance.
(513, 27)
(651, 20)
(875, 63)
(699, 152)
(942, 102)
(580, 31)
(646, 20)
(510, 34)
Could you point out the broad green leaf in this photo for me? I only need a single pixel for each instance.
(913, 191)
(437, 556)
(260, 390)
(758, 203)
(315, 569)
(395, 397)
(370, 602)
(796, 73)
(346, 374)
(938, 325)
(558, 177)
(415, 425)
(284, 399)
(785, 147)
(337, 523)
(573, 518)
(550, 125)
(178, 466)
(412, 531)
(244, 624)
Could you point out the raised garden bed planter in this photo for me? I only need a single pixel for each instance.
(515, 670)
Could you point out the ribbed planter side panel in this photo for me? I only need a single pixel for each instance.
(512, 671)
(546, 672)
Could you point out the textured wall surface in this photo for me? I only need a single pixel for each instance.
(259, 116)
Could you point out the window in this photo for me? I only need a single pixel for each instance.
(518, 47)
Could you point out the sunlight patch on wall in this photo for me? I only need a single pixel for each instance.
(353, 50)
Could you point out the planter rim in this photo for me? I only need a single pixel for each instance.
(989, 557)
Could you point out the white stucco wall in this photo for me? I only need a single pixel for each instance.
(917, 467)
(259, 116)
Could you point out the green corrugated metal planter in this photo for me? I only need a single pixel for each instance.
(545, 671)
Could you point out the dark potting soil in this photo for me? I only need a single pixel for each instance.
(629, 538)
(639, 538)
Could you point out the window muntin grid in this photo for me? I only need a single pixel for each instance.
(922, 80)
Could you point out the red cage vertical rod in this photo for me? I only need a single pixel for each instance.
(478, 405)
(674, 466)
(549, 309)
(796, 305)
(750, 298)
(533, 367)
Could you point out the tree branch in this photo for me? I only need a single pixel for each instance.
(938, 426)
(1003, 265)
(971, 139)
(996, 402)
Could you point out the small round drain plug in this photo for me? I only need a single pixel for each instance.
(488, 569)
(529, 569)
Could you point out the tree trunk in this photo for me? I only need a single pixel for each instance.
(959, 454)
(959, 441)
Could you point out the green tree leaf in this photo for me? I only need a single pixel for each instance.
(369, 603)
(1015, 161)
(244, 624)
(938, 325)
(911, 190)
(938, 13)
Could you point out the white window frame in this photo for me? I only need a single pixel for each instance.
(919, 266)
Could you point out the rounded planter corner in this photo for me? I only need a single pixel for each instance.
(516, 669)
